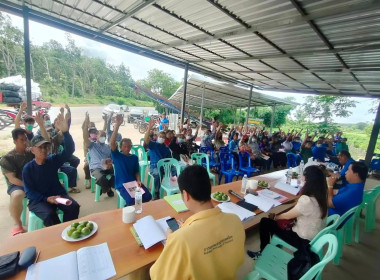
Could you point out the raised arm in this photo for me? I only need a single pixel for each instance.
(119, 121)
(40, 121)
(147, 133)
(19, 114)
(85, 127)
(63, 126)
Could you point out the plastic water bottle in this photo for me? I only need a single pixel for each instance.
(138, 201)
(244, 182)
(289, 175)
(302, 165)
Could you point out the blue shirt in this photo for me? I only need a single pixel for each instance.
(344, 170)
(347, 197)
(126, 168)
(233, 146)
(157, 151)
(41, 181)
(163, 121)
(97, 153)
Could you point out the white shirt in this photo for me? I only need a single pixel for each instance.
(309, 223)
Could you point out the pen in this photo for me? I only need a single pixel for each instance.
(38, 255)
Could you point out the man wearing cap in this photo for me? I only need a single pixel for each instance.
(40, 177)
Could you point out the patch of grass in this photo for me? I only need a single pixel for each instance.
(98, 100)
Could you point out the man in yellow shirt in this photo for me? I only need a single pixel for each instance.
(209, 245)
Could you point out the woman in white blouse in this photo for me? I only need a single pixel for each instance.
(310, 212)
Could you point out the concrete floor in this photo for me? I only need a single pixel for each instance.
(359, 261)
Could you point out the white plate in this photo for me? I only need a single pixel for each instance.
(69, 239)
(228, 198)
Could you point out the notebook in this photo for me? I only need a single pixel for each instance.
(294, 190)
(88, 263)
(272, 195)
(242, 213)
(151, 231)
(176, 202)
(264, 203)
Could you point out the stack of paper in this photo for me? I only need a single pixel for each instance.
(272, 195)
(242, 213)
(176, 202)
(264, 204)
(294, 190)
(151, 231)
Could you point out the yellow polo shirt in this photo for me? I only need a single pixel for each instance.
(209, 245)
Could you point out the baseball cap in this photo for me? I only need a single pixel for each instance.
(38, 140)
(92, 130)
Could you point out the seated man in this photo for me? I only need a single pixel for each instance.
(207, 139)
(351, 194)
(157, 151)
(126, 165)
(40, 177)
(11, 165)
(345, 160)
(220, 251)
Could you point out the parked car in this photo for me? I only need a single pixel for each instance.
(154, 114)
(135, 114)
(125, 108)
(116, 109)
(41, 104)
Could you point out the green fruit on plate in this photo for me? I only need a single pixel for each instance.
(80, 227)
(84, 223)
(74, 225)
(85, 231)
(76, 234)
(70, 231)
(90, 226)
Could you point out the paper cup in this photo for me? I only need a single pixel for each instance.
(128, 214)
(252, 184)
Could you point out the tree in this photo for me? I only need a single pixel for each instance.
(326, 107)
(160, 82)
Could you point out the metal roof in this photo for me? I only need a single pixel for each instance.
(218, 94)
(307, 46)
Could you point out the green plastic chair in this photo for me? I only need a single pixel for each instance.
(198, 157)
(142, 141)
(150, 182)
(369, 207)
(94, 186)
(35, 222)
(120, 200)
(24, 205)
(139, 151)
(344, 233)
(273, 263)
(166, 164)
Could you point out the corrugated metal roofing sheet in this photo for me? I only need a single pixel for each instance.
(303, 45)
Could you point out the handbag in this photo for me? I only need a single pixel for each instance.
(9, 264)
(302, 261)
(286, 224)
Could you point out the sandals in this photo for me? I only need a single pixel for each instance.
(254, 255)
(74, 190)
(17, 230)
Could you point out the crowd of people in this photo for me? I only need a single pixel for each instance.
(31, 171)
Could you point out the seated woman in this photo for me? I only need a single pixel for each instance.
(310, 212)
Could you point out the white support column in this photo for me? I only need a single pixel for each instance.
(203, 97)
(272, 119)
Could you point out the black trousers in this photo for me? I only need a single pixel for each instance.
(279, 158)
(47, 212)
(268, 227)
(104, 178)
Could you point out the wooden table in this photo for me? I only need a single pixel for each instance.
(126, 254)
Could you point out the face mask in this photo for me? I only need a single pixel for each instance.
(29, 127)
(102, 140)
(48, 122)
(188, 137)
(160, 140)
(180, 140)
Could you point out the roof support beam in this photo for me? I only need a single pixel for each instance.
(347, 9)
(373, 139)
(249, 107)
(184, 93)
(27, 60)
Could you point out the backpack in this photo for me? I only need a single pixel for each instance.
(302, 261)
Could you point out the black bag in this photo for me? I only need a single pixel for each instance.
(9, 265)
(302, 261)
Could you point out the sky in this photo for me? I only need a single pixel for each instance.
(139, 66)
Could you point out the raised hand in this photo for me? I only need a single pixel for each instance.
(61, 124)
(151, 123)
(119, 120)
(62, 110)
(39, 119)
(23, 106)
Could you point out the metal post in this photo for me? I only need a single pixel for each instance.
(249, 106)
(203, 97)
(272, 119)
(373, 139)
(239, 117)
(27, 60)
(184, 93)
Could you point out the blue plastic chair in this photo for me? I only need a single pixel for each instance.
(224, 149)
(167, 164)
(274, 261)
(293, 159)
(245, 164)
(227, 168)
(210, 152)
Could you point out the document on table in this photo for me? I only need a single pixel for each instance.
(294, 190)
(88, 263)
(242, 213)
(264, 203)
(272, 195)
(151, 231)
